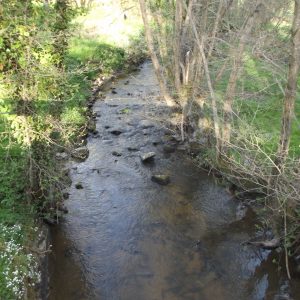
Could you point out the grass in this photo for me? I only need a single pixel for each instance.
(259, 105)
(103, 43)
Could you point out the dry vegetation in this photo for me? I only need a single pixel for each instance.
(232, 67)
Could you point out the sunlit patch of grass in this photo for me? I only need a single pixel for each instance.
(73, 116)
(259, 104)
(103, 41)
(113, 22)
(99, 56)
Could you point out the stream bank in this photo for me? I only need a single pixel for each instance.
(129, 237)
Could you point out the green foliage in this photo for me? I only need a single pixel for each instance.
(259, 105)
(107, 57)
(46, 78)
(33, 90)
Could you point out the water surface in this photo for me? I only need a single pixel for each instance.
(128, 238)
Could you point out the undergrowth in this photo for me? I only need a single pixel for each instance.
(259, 105)
(58, 94)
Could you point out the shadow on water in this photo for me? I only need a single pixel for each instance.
(128, 238)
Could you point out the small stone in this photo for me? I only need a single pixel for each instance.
(91, 125)
(107, 142)
(63, 209)
(116, 131)
(80, 153)
(78, 186)
(155, 143)
(66, 195)
(66, 171)
(116, 153)
(147, 157)
(133, 149)
(161, 179)
(95, 132)
(95, 136)
(182, 148)
(146, 124)
(176, 138)
(61, 155)
(49, 220)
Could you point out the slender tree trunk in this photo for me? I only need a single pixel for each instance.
(222, 9)
(177, 44)
(162, 38)
(157, 67)
(237, 57)
(215, 29)
(291, 88)
(209, 83)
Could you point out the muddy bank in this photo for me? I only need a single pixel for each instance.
(128, 236)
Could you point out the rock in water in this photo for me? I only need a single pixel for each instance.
(147, 157)
(80, 153)
(79, 186)
(116, 131)
(116, 153)
(133, 149)
(161, 179)
(146, 124)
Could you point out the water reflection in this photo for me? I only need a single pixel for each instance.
(128, 238)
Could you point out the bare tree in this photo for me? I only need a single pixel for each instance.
(157, 67)
(291, 88)
(237, 61)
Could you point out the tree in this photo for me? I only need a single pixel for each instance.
(63, 17)
(157, 67)
(291, 88)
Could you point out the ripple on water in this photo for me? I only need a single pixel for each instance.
(128, 238)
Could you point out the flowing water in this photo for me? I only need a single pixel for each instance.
(129, 238)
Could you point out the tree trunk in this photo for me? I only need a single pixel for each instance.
(60, 28)
(157, 67)
(291, 89)
(237, 57)
(177, 44)
(222, 9)
(209, 83)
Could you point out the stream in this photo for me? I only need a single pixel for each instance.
(129, 238)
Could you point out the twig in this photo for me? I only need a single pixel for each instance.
(285, 247)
